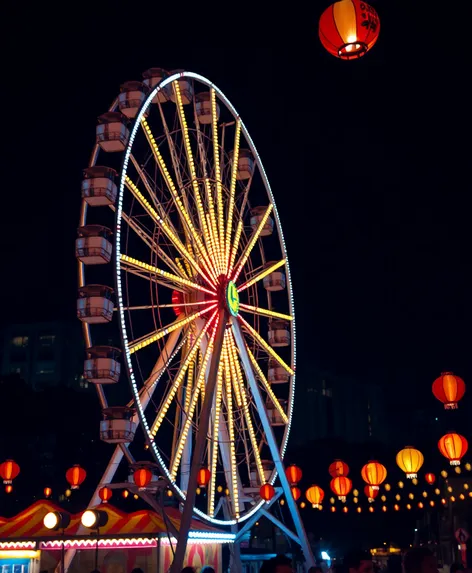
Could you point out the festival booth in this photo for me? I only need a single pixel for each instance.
(128, 540)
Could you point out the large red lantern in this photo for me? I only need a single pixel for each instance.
(8, 471)
(338, 468)
(371, 493)
(296, 492)
(203, 477)
(267, 492)
(374, 473)
(315, 496)
(430, 478)
(449, 389)
(105, 493)
(142, 478)
(294, 474)
(453, 447)
(341, 486)
(75, 476)
(349, 29)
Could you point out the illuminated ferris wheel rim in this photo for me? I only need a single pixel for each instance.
(118, 217)
(137, 122)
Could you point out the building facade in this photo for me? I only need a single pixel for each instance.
(44, 354)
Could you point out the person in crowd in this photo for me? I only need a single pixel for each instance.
(358, 561)
(457, 568)
(316, 569)
(188, 570)
(279, 564)
(208, 569)
(420, 560)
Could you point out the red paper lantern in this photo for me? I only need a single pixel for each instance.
(75, 476)
(47, 492)
(294, 474)
(8, 488)
(177, 299)
(338, 468)
(349, 29)
(267, 491)
(315, 496)
(142, 478)
(8, 471)
(449, 389)
(374, 473)
(203, 477)
(296, 492)
(430, 478)
(105, 493)
(341, 486)
(453, 447)
(371, 493)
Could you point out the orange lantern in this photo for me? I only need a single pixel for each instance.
(430, 478)
(341, 486)
(345, 509)
(294, 474)
(349, 29)
(177, 300)
(396, 507)
(142, 478)
(8, 471)
(410, 461)
(47, 492)
(453, 447)
(203, 477)
(374, 473)
(338, 468)
(371, 493)
(105, 493)
(267, 492)
(75, 476)
(449, 389)
(371, 509)
(315, 496)
(8, 488)
(125, 494)
(296, 492)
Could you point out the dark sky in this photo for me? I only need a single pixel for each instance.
(368, 160)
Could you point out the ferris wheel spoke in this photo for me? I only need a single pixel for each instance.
(235, 247)
(134, 263)
(193, 403)
(191, 164)
(213, 228)
(237, 375)
(262, 275)
(232, 193)
(247, 251)
(168, 231)
(264, 312)
(216, 162)
(266, 385)
(146, 238)
(184, 213)
(187, 364)
(161, 332)
(169, 352)
(263, 344)
(215, 442)
(230, 424)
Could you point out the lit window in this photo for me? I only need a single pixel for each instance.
(20, 341)
(47, 339)
(45, 371)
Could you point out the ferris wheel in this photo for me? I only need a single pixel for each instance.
(202, 293)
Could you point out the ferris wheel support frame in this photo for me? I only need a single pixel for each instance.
(301, 536)
(199, 449)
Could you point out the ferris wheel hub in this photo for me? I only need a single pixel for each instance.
(232, 298)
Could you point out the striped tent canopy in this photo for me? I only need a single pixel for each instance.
(29, 523)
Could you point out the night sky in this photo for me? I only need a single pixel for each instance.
(368, 161)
